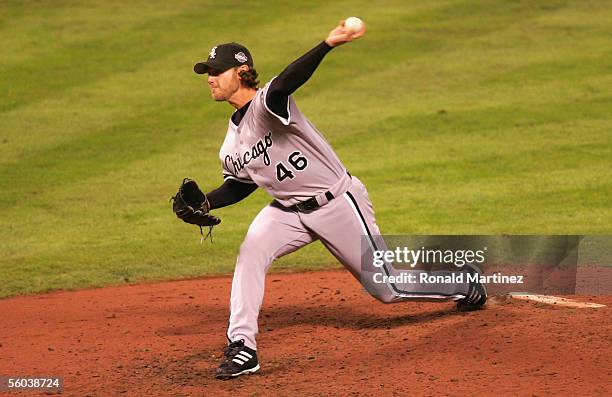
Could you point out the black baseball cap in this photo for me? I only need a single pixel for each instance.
(223, 57)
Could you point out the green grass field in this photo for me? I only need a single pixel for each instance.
(461, 117)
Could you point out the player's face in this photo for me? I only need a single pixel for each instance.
(223, 84)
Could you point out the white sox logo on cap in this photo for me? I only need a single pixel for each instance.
(240, 57)
(213, 53)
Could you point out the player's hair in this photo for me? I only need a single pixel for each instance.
(248, 78)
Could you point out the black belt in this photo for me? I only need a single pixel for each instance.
(311, 203)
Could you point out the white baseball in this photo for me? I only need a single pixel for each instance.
(353, 23)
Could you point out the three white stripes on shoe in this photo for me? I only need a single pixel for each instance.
(242, 357)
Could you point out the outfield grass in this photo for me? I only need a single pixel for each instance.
(462, 117)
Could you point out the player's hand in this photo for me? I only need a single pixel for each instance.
(342, 34)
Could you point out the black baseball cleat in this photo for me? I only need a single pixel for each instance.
(238, 360)
(477, 293)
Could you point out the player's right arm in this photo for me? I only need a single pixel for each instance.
(300, 70)
(231, 192)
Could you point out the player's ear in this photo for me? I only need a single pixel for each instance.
(242, 69)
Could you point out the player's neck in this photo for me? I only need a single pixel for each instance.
(242, 97)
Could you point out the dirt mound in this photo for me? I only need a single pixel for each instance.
(320, 334)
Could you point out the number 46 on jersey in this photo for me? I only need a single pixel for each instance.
(296, 162)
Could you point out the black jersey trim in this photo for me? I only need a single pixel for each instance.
(228, 176)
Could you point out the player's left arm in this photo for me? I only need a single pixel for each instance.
(298, 72)
(231, 192)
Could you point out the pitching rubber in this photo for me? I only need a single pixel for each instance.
(555, 300)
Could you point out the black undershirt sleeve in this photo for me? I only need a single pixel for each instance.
(229, 193)
(293, 77)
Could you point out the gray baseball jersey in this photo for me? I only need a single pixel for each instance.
(289, 158)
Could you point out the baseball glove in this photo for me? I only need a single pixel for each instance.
(191, 206)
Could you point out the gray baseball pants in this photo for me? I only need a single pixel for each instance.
(341, 224)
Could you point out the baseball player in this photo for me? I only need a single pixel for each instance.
(272, 145)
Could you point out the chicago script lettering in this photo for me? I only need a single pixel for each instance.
(258, 149)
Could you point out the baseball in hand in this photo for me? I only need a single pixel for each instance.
(353, 23)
